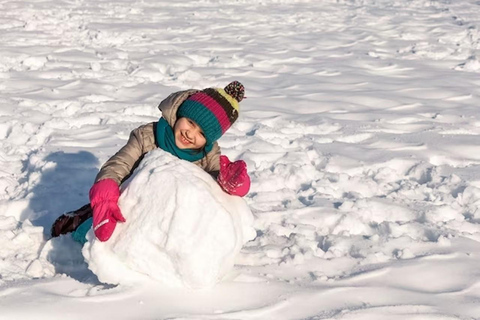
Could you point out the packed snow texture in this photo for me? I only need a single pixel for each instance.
(181, 228)
(360, 130)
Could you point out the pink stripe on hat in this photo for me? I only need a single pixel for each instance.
(214, 107)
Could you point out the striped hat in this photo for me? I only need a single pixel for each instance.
(213, 109)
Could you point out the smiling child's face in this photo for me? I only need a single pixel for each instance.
(188, 134)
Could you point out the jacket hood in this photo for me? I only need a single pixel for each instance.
(169, 106)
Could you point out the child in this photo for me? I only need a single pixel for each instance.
(191, 123)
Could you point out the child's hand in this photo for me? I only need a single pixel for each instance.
(103, 198)
(233, 177)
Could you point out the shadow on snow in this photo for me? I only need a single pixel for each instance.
(63, 187)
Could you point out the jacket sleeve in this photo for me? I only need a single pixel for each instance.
(120, 165)
(212, 165)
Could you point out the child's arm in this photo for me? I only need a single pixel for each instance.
(120, 165)
(212, 163)
(105, 192)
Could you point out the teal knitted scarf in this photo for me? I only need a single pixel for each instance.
(165, 140)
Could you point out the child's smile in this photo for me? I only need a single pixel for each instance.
(188, 135)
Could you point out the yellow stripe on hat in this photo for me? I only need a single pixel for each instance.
(229, 98)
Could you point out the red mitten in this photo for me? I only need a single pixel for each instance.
(233, 177)
(103, 198)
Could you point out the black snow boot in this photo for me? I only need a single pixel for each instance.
(69, 222)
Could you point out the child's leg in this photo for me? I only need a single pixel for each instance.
(80, 234)
(69, 222)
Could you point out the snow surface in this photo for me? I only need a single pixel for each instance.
(181, 228)
(361, 133)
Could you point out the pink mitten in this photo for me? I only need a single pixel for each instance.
(233, 177)
(103, 198)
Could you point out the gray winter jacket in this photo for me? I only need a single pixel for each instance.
(142, 140)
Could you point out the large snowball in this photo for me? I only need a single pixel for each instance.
(181, 228)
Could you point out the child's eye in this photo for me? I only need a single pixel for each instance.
(190, 121)
(203, 134)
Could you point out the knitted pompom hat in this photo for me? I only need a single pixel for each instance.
(213, 109)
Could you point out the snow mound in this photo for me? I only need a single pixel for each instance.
(19, 259)
(181, 228)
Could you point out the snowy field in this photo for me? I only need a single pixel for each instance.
(361, 132)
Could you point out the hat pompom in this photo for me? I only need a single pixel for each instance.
(236, 90)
